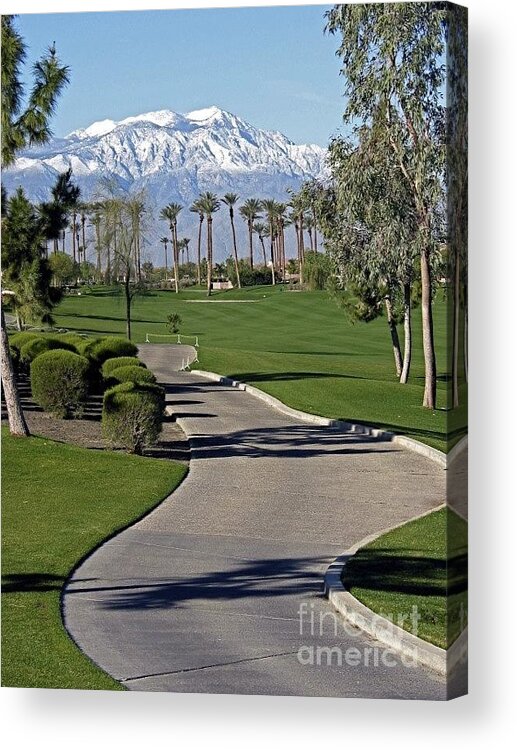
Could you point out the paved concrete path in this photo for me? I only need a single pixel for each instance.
(203, 595)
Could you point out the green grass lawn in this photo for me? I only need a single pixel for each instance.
(297, 346)
(59, 502)
(422, 564)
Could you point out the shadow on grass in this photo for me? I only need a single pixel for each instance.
(257, 377)
(30, 582)
(394, 570)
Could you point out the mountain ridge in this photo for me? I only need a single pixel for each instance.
(173, 157)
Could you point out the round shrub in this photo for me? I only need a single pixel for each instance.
(115, 362)
(108, 347)
(59, 381)
(34, 348)
(132, 415)
(132, 374)
(84, 345)
(75, 340)
(17, 340)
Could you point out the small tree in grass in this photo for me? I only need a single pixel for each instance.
(132, 415)
(174, 321)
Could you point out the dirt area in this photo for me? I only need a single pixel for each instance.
(86, 431)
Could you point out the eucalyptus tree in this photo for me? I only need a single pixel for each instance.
(230, 199)
(196, 209)
(250, 212)
(261, 231)
(209, 204)
(170, 213)
(394, 78)
(165, 241)
(373, 199)
(23, 125)
(120, 219)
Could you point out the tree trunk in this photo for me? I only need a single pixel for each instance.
(209, 256)
(235, 256)
(175, 254)
(465, 336)
(98, 238)
(199, 235)
(408, 343)
(17, 423)
(394, 336)
(315, 230)
(429, 401)
(250, 234)
(301, 258)
(263, 250)
(456, 329)
(273, 280)
(74, 230)
(127, 292)
(83, 222)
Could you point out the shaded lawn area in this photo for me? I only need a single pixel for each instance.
(58, 503)
(297, 346)
(422, 564)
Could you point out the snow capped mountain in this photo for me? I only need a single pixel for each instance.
(173, 157)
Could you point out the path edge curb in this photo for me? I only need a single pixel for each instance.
(440, 660)
(433, 454)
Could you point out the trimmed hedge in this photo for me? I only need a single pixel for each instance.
(34, 348)
(59, 381)
(115, 362)
(17, 340)
(108, 347)
(132, 415)
(132, 374)
(75, 340)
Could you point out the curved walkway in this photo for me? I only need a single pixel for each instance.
(204, 594)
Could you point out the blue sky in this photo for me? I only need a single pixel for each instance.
(272, 66)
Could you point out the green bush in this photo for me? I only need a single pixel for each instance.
(17, 340)
(108, 347)
(132, 374)
(59, 381)
(74, 339)
(35, 347)
(84, 345)
(112, 364)
(132, 415)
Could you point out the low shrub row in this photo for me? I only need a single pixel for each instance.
(66, 368)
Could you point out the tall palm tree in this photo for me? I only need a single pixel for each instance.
(83, 216)
(170, 213)
(230, 199)
(195, 208)
(271, 209)
(297, 204)
(96, 221)
(209, 204)
(186, 243)
(250, 212)
(165, 242)
(261, 230)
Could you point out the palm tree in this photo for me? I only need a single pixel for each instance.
(230, 199)
(209, 204)
(298, 218)
(96, 209)
(271, 208)
(165, 242)
(261, 230)
(250, 212)
(170, 213)
(83, 216)
(195, 208)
